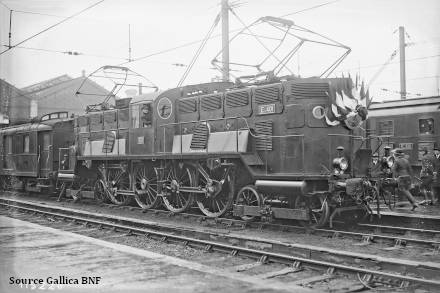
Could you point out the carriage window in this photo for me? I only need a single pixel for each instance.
(26, 144)
(9, 144)
(385, 128)
(64, 115)
(46, 141)
(426, 126)
(135, 116)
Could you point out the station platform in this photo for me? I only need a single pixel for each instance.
(424, 216)
(31, 251)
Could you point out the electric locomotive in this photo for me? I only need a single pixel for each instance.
(281, 148)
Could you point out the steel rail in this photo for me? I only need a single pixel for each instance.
(237, 246)
(429, 240)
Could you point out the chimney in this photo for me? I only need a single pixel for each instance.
(83, 73)
(140, 88)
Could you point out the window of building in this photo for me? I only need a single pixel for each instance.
(385, 128)
(426, 126)
(26, 144)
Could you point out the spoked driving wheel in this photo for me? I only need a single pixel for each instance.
(118, 182)
(145, 187)
(100, 192)
(319, 210)
(249, 196)
(219, 188)
(177, 177)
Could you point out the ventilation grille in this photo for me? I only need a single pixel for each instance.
(109, 142)
(200, 137)
(264, 129)
(309, 90)
(187, 106)
(267, 95)
(211, 103)
(237, 99)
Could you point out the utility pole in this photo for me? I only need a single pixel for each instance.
(402, 62)
(225, 39)
(129, 44)
(10, 28)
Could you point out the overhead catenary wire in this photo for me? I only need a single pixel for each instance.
(52, 26)
(199, 50)
(218, 35)
(4, 5)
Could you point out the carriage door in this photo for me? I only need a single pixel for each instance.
(44, 154)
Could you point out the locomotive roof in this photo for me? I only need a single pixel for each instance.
(409, 106)
(145, 97)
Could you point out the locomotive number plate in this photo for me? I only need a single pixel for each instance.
(406, 146)
(266, 109)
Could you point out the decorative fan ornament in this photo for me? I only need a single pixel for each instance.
(347, 103)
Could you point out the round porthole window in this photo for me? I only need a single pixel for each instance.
(318, 112)
(164, 108)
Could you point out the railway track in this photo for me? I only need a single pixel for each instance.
(371, 270)
(396, 237)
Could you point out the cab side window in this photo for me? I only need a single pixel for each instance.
(146, 115)
(142, 115)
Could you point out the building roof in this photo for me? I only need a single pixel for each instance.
(47, 83)
(59, 94)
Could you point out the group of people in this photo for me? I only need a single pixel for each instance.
(429, 176)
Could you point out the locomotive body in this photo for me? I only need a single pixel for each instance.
(265, 149)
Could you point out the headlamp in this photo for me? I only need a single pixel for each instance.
(340, 163)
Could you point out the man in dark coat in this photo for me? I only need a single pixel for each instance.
(436, 173)
(403, 172)
(427, 176)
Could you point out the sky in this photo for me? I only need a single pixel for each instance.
(368, 27)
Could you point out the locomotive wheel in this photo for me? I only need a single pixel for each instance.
(100, 192)
(249, 196)
(177, 176)
(118, 179)
(145, 187)
(319, 210)
(218, 200)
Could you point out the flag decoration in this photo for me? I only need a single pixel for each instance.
(347, 103)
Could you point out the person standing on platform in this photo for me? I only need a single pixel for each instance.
(403, 172)
(426, 177)
(436, 173)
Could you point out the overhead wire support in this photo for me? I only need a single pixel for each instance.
(10, 28)
(52, 26)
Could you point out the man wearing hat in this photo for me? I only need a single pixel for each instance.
(427, 176)
(436, 183)
(403, 172)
